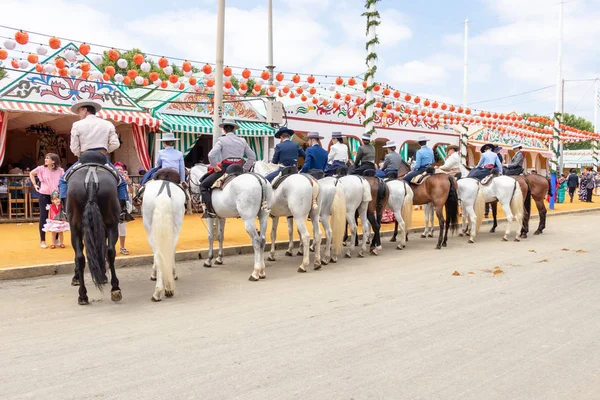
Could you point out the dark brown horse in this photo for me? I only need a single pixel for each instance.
(441, 190)
(380, 195)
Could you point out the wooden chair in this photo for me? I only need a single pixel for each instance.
(34, 204)
(18, 206)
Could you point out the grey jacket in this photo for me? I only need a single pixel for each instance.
(516, 161)
(366, 153)
(392, 160)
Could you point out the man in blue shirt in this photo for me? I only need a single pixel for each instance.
(316, 156)
(489, 160)
(167, 158)
(286, 152)
(425, 159)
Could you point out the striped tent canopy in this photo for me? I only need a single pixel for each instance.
(353, 145)
(441, 151)
(404, 151)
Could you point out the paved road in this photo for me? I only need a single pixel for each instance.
(397, 326)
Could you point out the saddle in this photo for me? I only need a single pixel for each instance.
(391, 176)
(316, 173)
(486, 180)
(419, 179)
(283, 175)
(92, 159)
(369, 172)
(231, 172)
(164, 175)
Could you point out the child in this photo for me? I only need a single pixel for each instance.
(56, 221)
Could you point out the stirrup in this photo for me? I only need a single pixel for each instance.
(206, 213)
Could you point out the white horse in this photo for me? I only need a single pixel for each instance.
(401, 203)
(357, 192)
(297, 197)
(162, 211)
(247, 196)
(332, 203)
(472, 198)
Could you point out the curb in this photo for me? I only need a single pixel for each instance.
(33, 271)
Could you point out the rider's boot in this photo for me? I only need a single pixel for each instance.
(207, 211)
(63, 209)
(124, 216)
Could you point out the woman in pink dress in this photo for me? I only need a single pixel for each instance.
(56, 222)
(45, 180)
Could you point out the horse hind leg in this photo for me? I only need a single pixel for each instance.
(329, 239)
(290, 251)
(275, 223)
(304, 238)
(211, 237)
(256, 244)
(440, 215)
(316, 238)
(542, 213)
(352, 225)
(115, 291)
(77, 243)
(263, 218)
(220, 238)
(509, 220)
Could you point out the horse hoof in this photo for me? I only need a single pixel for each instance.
(324, 262)
(154, 299)
(317, 266)
(75, 282)
(461, 234)
(207, 264)
(312, 249)
(393, 239)
(271, 258)
(423, 236)
(517, 240)
(493, 230)
(288, 253)
(399, 247)
(438, 247)
(169, 293)
(374, 252)
(262, 277)
(471, 241)
(348, 255)
(538, 233)
(153, 278)
(301, 270)
(523, 236)
(360, 254)
(116, 295)
(444, 244)
(430, 235)
(252, 279)
(219, 261)
(504, 239)
(344, 244)
(176, 277)
(83, 302)
(333, 260)
(300, 253)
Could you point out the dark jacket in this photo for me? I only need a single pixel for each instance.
(287, 153)
(573, 181)
(316, 158)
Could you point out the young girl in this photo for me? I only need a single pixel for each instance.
(56, 222)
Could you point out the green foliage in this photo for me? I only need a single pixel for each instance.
(576, 122)
(3, 73)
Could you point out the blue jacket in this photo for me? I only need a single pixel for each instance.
(287, 153)
(424, 157)
(490, 158)
(171, 158)
(316, 158)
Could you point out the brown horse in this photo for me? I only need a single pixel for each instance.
(380, 195)
(439, 189)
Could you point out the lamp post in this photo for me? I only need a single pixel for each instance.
(218, 109)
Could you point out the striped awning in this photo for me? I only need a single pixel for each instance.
(204, 125)
(128, 117)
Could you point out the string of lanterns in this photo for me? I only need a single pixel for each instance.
(390, 104)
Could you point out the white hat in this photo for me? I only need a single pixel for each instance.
(366, 137)
(81, 103)
(422, 138)
(168, 137)
(518, 145)
(229, 122)
(390, 143)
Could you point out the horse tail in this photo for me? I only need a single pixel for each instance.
(517, 204)
(479, 208)
(407, 207)
(315, 194)
(162, 235)
(528, 199)
(94, 237)
(452, 206)
(366, 191)
(338, 220)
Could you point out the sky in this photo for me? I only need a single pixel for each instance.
(512, 43)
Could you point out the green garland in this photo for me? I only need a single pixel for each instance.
(373, 20)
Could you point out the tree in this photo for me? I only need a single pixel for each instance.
(576, 122)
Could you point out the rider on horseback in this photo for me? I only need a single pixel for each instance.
(486, 164)
(365, 157)
(424, 159)
(316, 156)
(391, 161)
(338, 154)
(232, 149)
(94, 134)
(516, 163)
(452, 164)
(286, 152)
(168, 157)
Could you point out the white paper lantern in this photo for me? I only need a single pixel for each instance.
(158, 82)
(97, 59)
(70, 55)
(226, 78)
(304, 86)
(10, 44)
(260, 82)
(49, 68)
(243, 80)
(122, 63)
(290, 84)
(255, 93)
(41, 50)
(118, 78)
(188, 74)
(168, 70)
(276, 84)
(242, 92)
(96, 74)
(145, 67)
(139, 80)
(331, 88)
(23, 64)
(74, 72)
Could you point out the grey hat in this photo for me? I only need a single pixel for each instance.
(168, 137)
(336, 135)
(517, 146)
(82, 103)
(366, 137)
(314, 135)
(229, 122)
(390, 143)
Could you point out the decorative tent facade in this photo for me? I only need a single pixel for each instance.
(36, 116)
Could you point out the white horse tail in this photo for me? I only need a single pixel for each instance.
(162, 235)
(517, 204)
(338, 220)
(366, 190)
(479, 208)
(407, 207)
(315, 194)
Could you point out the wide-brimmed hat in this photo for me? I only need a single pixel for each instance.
(229, 122)
(422, 138)
(81, 103)
(390, 143)
(453, 147)
(517, 146)
(487, 146)
(497, 148)
(283, 129)
(314, 135)
(336, 135)
(168, 137)
(366, 137)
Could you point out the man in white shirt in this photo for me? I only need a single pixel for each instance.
(452, 164)
(338, 154)
(91, 133)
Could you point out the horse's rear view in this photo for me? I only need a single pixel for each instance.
(93, 213)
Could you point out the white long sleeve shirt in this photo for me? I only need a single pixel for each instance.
(338, 152)
(92, 133)
(452, 164)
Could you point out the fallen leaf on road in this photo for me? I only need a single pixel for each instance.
(486, 270)
(497, 271)
(565, 249)
(581, 251)
(456, 273)
(544, 260)
(471, 273)
(532, 251)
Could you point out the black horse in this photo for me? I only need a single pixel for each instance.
(93, 213)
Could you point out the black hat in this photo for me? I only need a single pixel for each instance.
(487, 146)
(283, 129)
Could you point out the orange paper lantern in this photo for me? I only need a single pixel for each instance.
(132, 73)
(60, 63)
(296, 78)
(310, 79)
(246, 73)
(63, 72)
(21, 37)
(207, 69)
(351, 82)
(258, 88)
(39, 68)
(407, 97)
(113, 54)
(173, 78)
(84, 49)
(339, 81)
(163, 62)
(227, 71)
(138, 59)
(106, 77)
(227, 85)
(417, 100)
(127, 80)
(192, 81)
(3, 54)
(164, 84)
(153, 76)
(312, 91)
(265, 75)
(186, 66)
(32, 58)
(279, 77)
(54, 43)
(85, 67)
